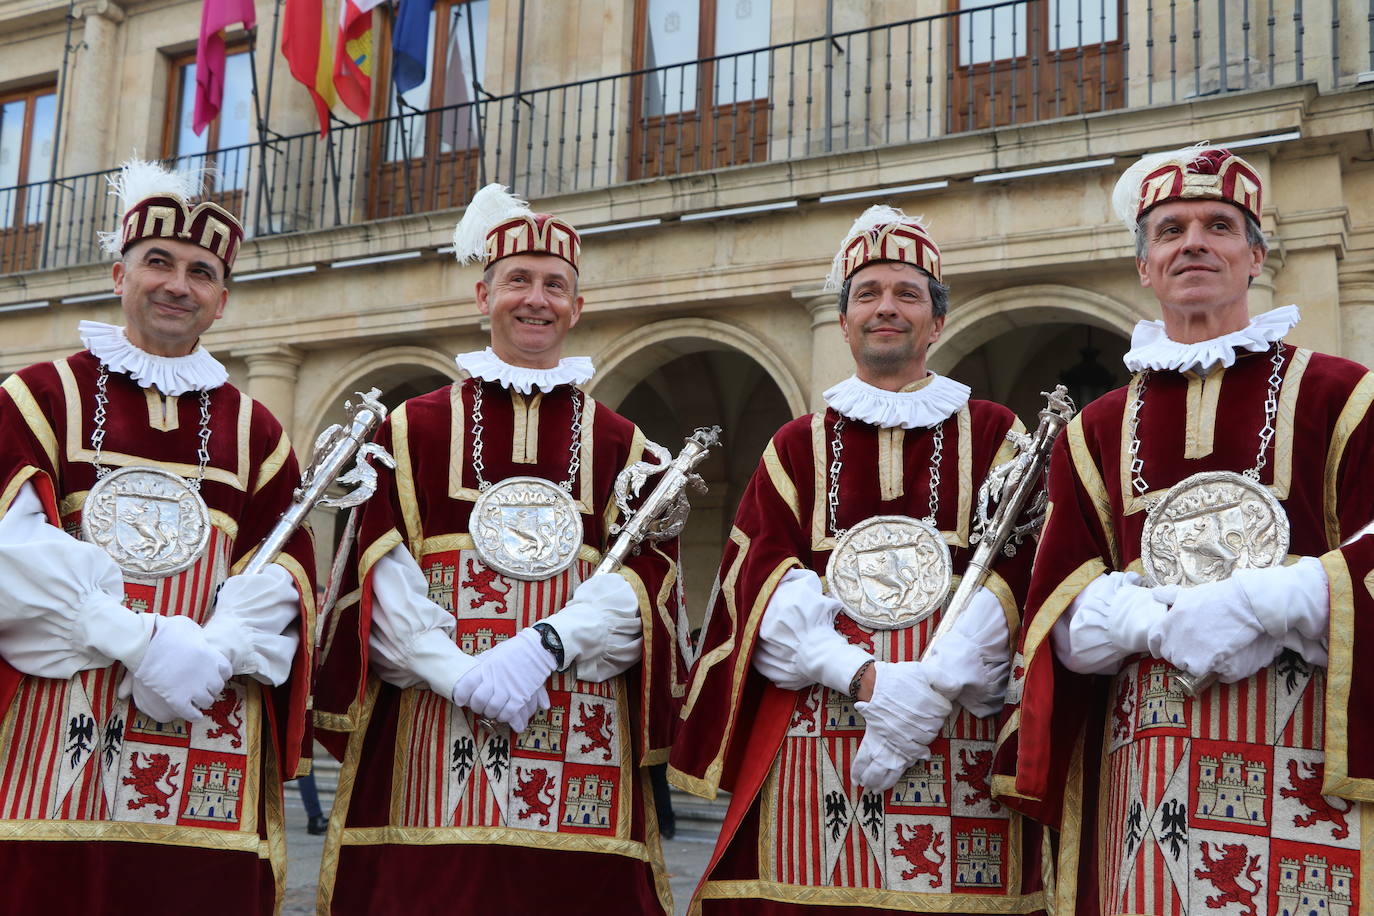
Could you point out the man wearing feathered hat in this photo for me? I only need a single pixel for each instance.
(493, 700)
(153, 697)
(808, 701)
(1194, 613)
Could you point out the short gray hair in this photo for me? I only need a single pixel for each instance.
(1254, 235)
(939, 295)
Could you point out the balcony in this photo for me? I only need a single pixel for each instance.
(1002, 64)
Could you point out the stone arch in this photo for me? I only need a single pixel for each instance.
(992, 314)
(384, 369)
(633, 356)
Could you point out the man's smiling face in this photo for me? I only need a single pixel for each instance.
(532, 301)
(171, 291)
(1198, 257)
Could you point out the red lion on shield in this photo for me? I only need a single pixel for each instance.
(1224, 873)
(483, 582)
(529, 790)
(913, 849)
(145, 781)
(224, 712)
(596, 726)
(974, 774)
(1308, 790)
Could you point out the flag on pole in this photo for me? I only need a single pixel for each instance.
(410, 44)
(307, 43)
(215, 17)
(353, 55)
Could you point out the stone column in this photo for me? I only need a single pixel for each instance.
(1357, 315)
(1263, 287)
(831, 360)
(91, 89)
(273, 371)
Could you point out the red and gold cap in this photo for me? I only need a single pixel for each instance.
(1196, 173)
(158, 203)
(497, 224)
(882, 234)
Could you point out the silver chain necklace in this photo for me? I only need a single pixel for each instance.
(98, 434)
(574, 448)
(151, 521)
(1266, 436)
(837, 463)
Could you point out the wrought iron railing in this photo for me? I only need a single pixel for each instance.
(1009, 62)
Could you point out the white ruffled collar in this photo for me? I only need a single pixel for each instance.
(1151, 348)
(172, 375)
(487, 366)
(935, 400)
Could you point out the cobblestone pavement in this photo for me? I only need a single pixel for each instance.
(686, 854)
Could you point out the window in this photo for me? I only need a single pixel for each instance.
(229, 132)
(428, 147)
(1027, 61)
(27, 132)
(703, 102)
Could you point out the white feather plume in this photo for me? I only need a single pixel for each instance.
(138, 179)
(876, 215)
(491, 205)
(1126, 194)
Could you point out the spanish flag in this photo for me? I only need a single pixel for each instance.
(307, 43)
(353, 55)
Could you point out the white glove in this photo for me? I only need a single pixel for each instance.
(600, 628)
(1237, 626)
(507, 683)
(1108, 622)
(180, 673)
(903, 717)
(797, 642)
(248, 623)
(970, 663)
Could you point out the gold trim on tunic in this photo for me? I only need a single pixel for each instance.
(78, 452)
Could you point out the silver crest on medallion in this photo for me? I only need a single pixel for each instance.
(148, 520)
(1209, 525)
(526, 528)
(890, 571)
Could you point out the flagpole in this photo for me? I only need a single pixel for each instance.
(271, 68)
(263, 110)
(56, 136)
(515, 101)
(476, 103)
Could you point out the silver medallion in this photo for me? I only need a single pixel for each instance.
(526, 528)
(1209, 525)
(151, 521)
(890, 571)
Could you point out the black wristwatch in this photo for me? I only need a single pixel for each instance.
(549, 639)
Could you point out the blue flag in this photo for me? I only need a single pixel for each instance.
(410, 44)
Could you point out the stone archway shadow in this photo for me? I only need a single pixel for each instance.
(974, 323)
(632, 357)
(381, 368)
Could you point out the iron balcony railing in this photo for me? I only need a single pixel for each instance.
(1009, 62)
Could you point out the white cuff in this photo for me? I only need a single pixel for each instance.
(114, 631)
(1289, 598)
(600, 628)
(251, 624)
(411, 640)
(797, 642)
(1108, 622)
